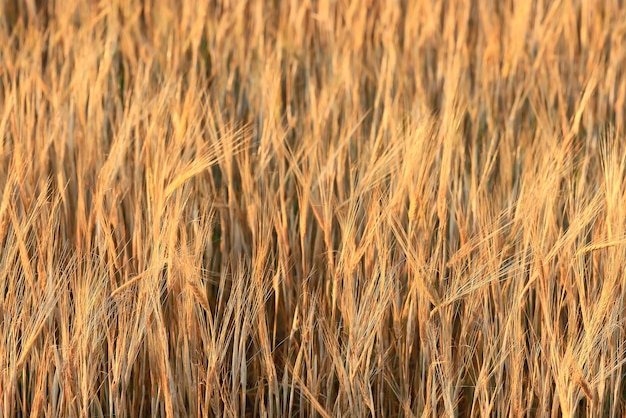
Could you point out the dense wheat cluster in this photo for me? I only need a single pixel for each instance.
(312, 208)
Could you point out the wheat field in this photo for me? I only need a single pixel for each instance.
(312, 208)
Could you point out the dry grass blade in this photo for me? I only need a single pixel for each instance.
(600, 246)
